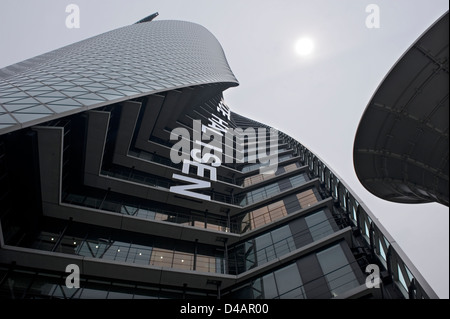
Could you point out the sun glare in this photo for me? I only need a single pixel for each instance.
(304, 46)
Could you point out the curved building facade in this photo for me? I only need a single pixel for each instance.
(120, 160)
(401, 145)
(116, 66)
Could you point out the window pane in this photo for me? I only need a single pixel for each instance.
(283, 241)
(161, 257)
(319, 226)
(289, 282)
(206, 263)
(337, 270)
(306, 198)
(269, 286)
(265, 250)
(277, 210)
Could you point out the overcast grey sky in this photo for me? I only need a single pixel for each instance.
(318, 99)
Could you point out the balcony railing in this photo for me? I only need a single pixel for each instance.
(390, 256)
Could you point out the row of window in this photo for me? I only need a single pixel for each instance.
(98, 243)
(254, 166)
(248, 181)
(193, 218)
(336, 275)
(254, 179)
(369, 229)
(270, 190)
(242, 200)
(253, 155)
(29, 285)
(278, 242)
(237, 224)
(274, 211)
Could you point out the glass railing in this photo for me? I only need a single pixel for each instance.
(127, 208)
(241, 200)
(42, 284)
(129, 252)
(286, 283)
(238, 224)
(262, 249)
(254, 166)
(167, 162)
(156, 181)
(277, 210)
(342, 279)
(255, 179)
(390, 257)
(270, 190)
(248, 167)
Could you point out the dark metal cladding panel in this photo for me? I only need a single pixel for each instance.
(401, 146)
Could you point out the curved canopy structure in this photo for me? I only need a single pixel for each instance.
(401, 146)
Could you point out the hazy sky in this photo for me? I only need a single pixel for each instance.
(317, 99)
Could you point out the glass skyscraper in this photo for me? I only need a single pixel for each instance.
(89, 134)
